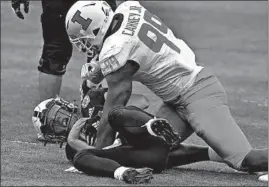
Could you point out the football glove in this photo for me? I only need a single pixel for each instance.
(92, 103)
(15, 4)
(92, 71)
(89, 131)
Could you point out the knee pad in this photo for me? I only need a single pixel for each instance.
(115, 116)
(52, 67)
(57, 48)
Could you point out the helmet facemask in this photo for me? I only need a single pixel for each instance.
(57, 120)
(85, 44)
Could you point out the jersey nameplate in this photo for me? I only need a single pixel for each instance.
(133, 21)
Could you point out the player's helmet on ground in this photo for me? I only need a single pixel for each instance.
(87, 23)
(36, 118)
(54, 118)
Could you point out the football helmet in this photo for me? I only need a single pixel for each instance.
(54, 118)
(87, 23)
(36, 118)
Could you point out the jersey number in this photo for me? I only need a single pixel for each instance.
(155, 27)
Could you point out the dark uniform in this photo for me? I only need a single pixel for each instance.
(57, 49)
(139, 148)
(142, 150)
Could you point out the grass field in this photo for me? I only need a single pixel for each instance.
(229, 38)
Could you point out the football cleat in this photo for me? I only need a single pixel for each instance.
(161, 128)
(137, 176)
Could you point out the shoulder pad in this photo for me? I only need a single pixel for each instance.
(114, 45)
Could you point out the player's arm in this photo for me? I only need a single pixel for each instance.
(119, 91)
(73, 137)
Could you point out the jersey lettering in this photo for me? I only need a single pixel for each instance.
(150, 34)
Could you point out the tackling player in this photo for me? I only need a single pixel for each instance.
(134, 44)
(57, 49)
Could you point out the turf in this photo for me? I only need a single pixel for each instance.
(229, 38)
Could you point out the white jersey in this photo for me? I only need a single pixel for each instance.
(167, 64)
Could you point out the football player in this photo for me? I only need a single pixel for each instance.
(57, 49)
(134, 44)
(138, 147)
(132, 164)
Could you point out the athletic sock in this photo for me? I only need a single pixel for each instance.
(119, 172)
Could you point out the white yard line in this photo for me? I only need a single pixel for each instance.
(18, 141)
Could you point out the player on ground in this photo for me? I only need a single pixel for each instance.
(139, 147)
(132, 163)
(134, 44)
(54, 118)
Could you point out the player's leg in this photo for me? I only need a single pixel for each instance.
(49, 85)
(106, 162)
(57, 49)
(115, 163)
(139, 101)
(128, 121)
(182, 127)
(132, 123)
(145, 150)
(69, 153)
(183, 154)
(256, 160)
(225, 137)
(152, 156)
(210, 117)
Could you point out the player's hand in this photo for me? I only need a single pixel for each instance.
(85, 71)
(81, 122)
(92, 72)
(16, 6)
(86, 68)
